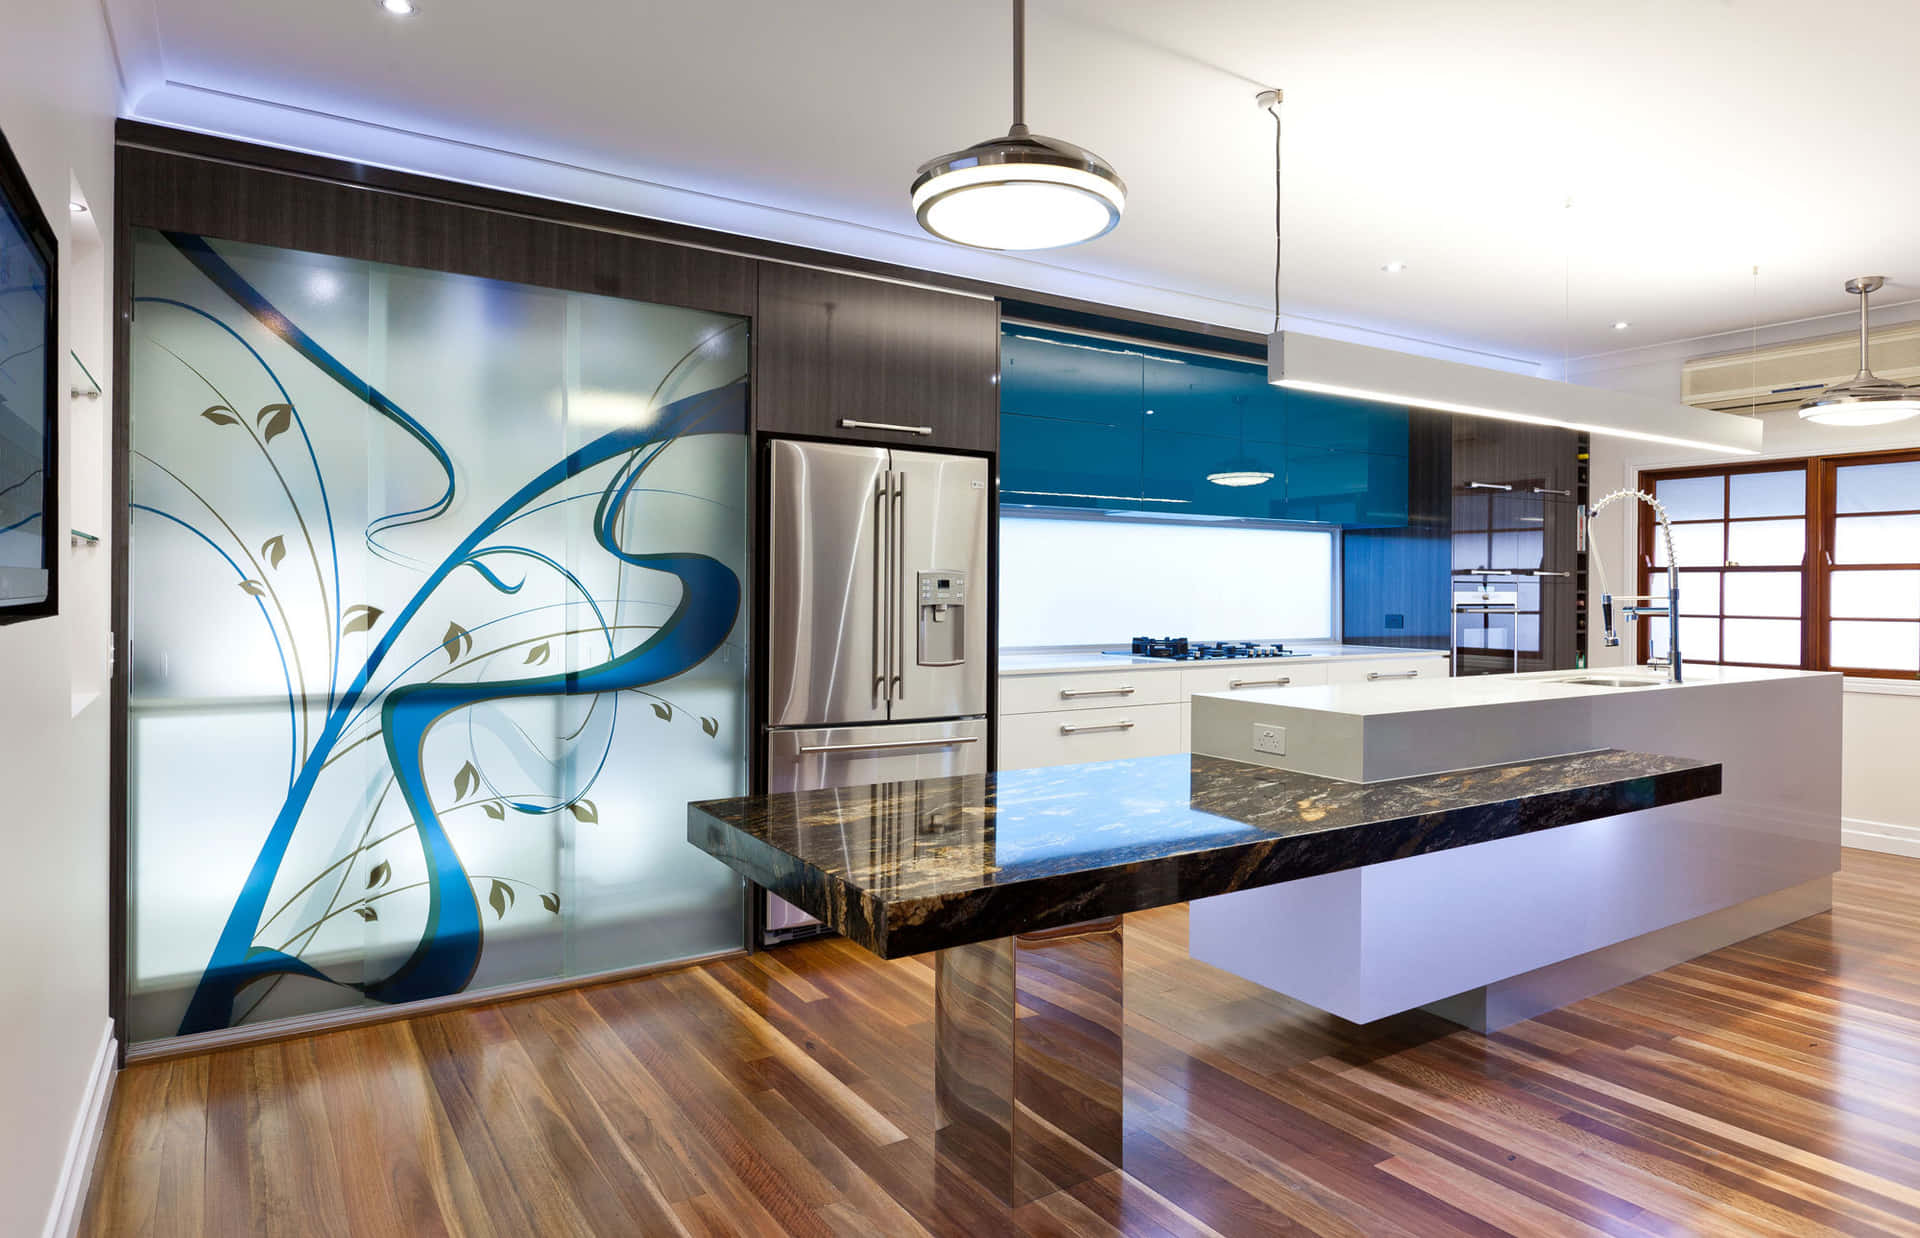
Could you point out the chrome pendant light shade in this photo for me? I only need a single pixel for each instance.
(1021, 191)
(1866, 399)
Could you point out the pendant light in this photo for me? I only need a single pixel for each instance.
(1021, 191)
(1866, 399)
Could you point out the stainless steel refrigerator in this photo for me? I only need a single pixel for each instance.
(877, 609)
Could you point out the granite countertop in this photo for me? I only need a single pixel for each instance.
(1045, 661)
(905, 867)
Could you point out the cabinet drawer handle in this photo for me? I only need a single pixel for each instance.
(1561, 575)
(1281, 682)
(1565, 494)
(1472, 485)
(848, 423)
(1123, 725)
(1068, 694)
(1393, 674)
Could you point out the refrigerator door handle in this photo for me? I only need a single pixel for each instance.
(897, 602)
(892, 743)
(882, 556)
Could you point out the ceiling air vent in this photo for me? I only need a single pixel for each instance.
(1784, 375)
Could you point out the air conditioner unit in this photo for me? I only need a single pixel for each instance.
(1783, 375)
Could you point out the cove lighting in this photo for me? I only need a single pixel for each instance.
(1361, 372)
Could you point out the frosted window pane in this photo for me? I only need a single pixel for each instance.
(1877, 487)
(1774, 641)
(1769, 494)
(1763, 593)
(1698, 545)
(1876, 539)
(438, 619)
(1699, 592)
(1859, 645)
(1875, 595)
(1699, 638)
(1692, 498)
(1103, 582)
(1766, 542)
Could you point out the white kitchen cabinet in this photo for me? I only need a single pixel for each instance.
(1365, 670)
(1032, 694)
(1077, 736)
(1237, 677)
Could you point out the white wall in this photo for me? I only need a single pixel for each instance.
(58, 95)
(1878, 795)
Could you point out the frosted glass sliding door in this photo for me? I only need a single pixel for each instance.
(436, 593)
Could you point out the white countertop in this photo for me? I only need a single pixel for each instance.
(1467, 692)
(1040, 662)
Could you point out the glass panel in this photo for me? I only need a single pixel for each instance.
(1470, 551)
(1699, 592)
(1773, 641)
(1859, 645)
(1768, 494)
(1876, 539)
(1528, 632)
(1698, 545)
(1762, 593)
(1875, 595)
(1692, 498)
(1877, 487)
(1699, 639)
(1767, 541)
(436, 604)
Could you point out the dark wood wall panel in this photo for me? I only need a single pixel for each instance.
(238, 203)
(833, 348)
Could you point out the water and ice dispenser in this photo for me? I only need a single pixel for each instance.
(943, 613)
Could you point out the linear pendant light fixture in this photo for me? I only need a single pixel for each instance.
(1866, 399)
(1362, 372)
(1021, 191)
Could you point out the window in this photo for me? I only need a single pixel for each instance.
(1804, 563)
(1871, 527)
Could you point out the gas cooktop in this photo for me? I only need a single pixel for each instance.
(1180, 649)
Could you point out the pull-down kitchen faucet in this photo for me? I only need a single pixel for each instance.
(1635, 606)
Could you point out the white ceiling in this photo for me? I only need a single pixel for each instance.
(1695, 138)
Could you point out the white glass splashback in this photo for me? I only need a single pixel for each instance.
(1105, 581)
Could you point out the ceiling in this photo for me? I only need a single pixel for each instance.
(1695, 139)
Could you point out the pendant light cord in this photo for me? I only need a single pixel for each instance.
(1019, 66)
(1273, 109)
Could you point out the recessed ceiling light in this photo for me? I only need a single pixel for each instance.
(1622, 325)
(1394, 267)
(77, 207)
(399, 8)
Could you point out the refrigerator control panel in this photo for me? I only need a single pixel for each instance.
(943, 588)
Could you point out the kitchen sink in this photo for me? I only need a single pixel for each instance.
(1613, 681)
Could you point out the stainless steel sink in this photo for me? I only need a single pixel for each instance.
(1613, 681)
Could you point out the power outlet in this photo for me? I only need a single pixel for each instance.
(1270, 739)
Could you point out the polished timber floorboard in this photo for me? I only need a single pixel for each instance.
(1770, 1088)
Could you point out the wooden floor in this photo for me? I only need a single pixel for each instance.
(1771, 1088)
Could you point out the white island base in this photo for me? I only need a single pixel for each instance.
(1491, 934)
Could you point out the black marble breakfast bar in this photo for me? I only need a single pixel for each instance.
(1019, 879)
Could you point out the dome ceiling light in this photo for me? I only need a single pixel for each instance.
(1866, 399)
(1021, 191)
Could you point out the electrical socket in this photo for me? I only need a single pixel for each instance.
(1270, 739)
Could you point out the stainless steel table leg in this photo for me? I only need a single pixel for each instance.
(1028, 1037)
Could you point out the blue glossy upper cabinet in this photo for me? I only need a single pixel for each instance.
(1200, 458)
(1071, 413)
(1346, 461)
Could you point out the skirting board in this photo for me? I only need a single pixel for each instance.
(1522, 997)
(83, 1142)
(1880, 836)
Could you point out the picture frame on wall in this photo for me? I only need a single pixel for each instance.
(29, 415)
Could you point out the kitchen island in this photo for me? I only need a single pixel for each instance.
(1491, 935)
(1019, 879)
